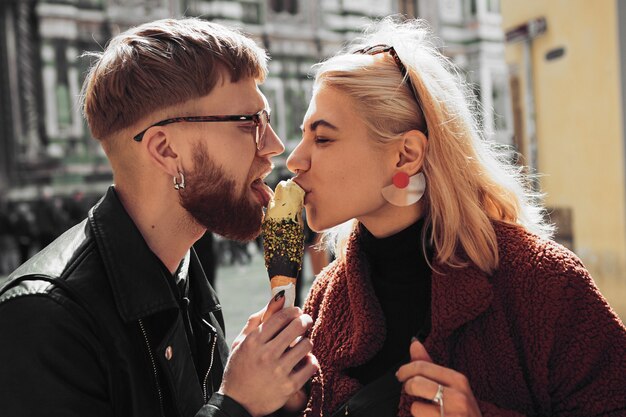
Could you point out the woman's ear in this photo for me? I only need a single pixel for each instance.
(161, 151)
(412, 151)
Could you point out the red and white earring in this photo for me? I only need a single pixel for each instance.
(405, 190)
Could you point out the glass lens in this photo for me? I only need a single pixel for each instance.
(263, 121)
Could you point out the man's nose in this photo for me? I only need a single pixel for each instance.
(273, 145)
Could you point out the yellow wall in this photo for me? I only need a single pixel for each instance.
(579, 127)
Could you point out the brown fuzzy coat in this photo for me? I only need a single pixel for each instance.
(535, 338)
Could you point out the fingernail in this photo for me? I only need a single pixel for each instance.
(413, 339)
(280, 295)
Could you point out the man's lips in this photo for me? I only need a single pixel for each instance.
(263, 173)
(263, 192)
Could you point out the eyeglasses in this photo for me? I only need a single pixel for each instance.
(261, 120)
(381, 49)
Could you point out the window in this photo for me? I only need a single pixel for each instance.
(63, 100)
(473, 8)
(502, 122)
(296, 106)
(88, 4)
(500, 103)
(251, 13)
(288, 6)
(493, 6)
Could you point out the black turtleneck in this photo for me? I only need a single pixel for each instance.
(401, 279)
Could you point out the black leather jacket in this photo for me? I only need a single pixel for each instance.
(90, 327)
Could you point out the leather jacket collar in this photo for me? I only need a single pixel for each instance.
(139, 286)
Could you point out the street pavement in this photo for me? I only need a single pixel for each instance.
(243, 290)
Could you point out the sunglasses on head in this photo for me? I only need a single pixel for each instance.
(381, 49)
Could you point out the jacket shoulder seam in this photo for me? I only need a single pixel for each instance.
(18, 291)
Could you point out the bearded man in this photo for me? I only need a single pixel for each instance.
(116, 317)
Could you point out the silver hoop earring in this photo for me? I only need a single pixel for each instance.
(179, 185)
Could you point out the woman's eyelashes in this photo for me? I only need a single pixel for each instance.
(322, 141)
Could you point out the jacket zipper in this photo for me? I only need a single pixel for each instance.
(154, 368)
(208, 372)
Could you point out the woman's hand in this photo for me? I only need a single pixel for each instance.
(422, 378)
(258, 318)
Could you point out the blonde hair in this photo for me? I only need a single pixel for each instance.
(469, 183)
(161, 64)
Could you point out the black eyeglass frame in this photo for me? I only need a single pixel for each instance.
(381, 49)
(257, 118)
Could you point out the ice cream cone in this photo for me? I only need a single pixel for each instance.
(283, 239)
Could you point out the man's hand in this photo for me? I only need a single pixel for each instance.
(263, 371)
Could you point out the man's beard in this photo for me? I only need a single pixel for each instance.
(209, 197)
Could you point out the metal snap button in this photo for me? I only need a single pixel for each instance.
(169, 352)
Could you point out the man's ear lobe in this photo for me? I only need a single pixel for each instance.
(412, 151)
(160, 151)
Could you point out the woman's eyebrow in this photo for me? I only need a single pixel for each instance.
(320, 122)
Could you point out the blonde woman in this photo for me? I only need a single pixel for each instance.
(447, 296)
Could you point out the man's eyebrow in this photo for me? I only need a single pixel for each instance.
(320, 122)
(254, 111)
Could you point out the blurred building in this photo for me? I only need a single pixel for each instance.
(471, 35)
(567, 60)
(45, 142)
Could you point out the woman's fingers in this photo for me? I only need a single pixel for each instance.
(423, 368)
(421, 387)
(418, 352)
(454, 402)
(425, 409)
(423, 379)
(275, 305)
(444, 376)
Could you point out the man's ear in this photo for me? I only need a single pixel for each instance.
(161, 151)
(411, 152)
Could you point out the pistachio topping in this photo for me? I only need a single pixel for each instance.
(283, 243)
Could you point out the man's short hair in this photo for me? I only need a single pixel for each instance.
(161, 64)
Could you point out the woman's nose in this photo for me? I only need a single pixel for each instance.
(298, 160)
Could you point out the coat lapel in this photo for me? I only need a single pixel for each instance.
(351, 330)
(458, 296)
(350, 314)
